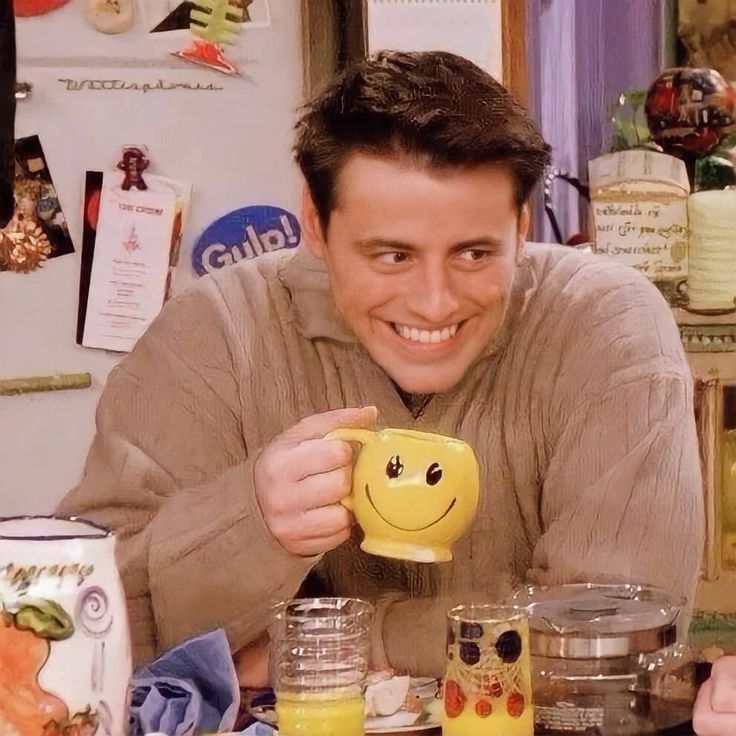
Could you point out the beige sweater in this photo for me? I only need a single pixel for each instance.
(580, 414)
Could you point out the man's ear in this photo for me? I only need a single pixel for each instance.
(525, 217)
(311, 225)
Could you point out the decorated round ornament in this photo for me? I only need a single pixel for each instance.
(245, 233)
(25, 8)
(690, 110)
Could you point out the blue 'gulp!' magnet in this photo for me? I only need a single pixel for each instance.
(245, 233)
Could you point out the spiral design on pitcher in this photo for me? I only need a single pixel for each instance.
(93, 612)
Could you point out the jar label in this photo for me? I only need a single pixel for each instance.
(567, 718)
(651, 236)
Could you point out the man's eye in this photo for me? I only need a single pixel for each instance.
(393, 257)
(473, 255)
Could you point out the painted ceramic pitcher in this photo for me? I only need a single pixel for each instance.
(64, 641)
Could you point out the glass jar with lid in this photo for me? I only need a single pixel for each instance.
(606, 660)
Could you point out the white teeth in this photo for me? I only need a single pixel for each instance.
(426, 336)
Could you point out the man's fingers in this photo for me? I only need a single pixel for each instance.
(706, 722)
(318, 425)
(326, 489)
(327, 522)
(311, 547)
(314, 457)
(723, 686)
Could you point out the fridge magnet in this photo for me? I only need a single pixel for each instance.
(26, 8)
(110, 16)
(214, 23)
(244, 233)
(131, 235)
(133, 164)
(37, 230)
(173, 16)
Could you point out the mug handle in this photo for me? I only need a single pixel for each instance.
(351, 434)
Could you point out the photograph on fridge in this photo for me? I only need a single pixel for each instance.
(38, 229)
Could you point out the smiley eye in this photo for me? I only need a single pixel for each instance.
(434, 474)
(395, 467)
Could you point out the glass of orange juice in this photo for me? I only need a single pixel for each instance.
(487, 685)
(318, 661)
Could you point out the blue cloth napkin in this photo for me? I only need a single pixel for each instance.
(259, 729)
(190, 688)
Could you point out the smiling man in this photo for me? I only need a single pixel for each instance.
(416, 303)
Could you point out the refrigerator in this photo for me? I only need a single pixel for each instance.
(228, 136)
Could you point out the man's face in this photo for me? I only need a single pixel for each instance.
(421, 263)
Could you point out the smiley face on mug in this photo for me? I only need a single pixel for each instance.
(414, 493)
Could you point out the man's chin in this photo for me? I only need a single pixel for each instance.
(417, 384)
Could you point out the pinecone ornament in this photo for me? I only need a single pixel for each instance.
(24, 248)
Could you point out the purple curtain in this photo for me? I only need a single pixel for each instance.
(581, 54)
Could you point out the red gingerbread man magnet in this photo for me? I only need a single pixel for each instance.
(133, 163)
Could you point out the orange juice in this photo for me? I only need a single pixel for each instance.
(320, 714)
(497, 723)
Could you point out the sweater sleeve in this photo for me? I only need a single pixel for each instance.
(622, 494)
(169, 471)
(622, 498)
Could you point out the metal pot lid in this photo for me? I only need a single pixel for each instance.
(594, 621)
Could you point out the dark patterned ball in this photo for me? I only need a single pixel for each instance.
(690, 109)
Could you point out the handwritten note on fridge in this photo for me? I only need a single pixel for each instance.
(469, 28)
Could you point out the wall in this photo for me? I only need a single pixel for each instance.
(233, 145)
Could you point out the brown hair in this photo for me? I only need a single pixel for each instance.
(434, 106)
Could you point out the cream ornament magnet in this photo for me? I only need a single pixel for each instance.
(110, 16)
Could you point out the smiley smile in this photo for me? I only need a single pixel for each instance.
(403, 528)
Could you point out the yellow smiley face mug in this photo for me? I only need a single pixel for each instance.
(413, 493)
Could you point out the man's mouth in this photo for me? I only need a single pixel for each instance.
(403, 528)
(426, 337)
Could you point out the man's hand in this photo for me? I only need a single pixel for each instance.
(251, 663)
(715, 707)
(301, 477)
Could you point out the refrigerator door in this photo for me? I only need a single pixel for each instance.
(228, 136)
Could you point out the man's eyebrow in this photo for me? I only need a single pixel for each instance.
(380, 242)
(483, 241)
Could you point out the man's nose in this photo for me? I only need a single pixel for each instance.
(432, 298)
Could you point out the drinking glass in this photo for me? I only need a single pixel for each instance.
(487, 684)
(318, 661)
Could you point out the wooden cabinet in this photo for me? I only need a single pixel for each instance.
(710, 343)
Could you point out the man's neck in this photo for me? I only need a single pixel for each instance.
(415, 403)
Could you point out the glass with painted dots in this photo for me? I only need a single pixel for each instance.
(487, 684)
